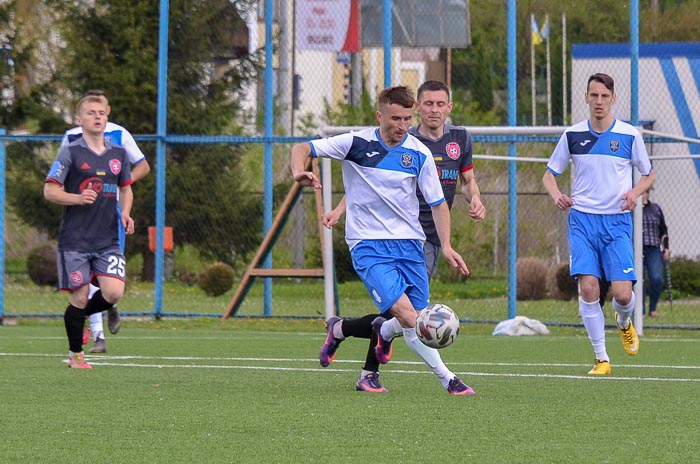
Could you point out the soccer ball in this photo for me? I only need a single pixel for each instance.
(437, 326)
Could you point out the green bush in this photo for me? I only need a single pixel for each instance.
(41, 265)
(217, 279)
(532, 279)
(685, 276)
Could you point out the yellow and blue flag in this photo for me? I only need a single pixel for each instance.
(544, 32)
(536, 37)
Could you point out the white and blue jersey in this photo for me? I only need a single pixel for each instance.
(116, 135)
(600, 232)
(380, 184)
(602, 164)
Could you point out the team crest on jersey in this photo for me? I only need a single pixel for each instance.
(614, 145)
(452, 150)
(115, 166)
(406, 160)
(76, 278)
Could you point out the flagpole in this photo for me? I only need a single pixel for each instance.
(532, 72)
(564, 86)
(549, 76)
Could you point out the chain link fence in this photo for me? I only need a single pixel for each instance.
(215, 183)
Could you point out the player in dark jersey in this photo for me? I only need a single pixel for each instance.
(117, 135)
(86, 177)
(452, 151)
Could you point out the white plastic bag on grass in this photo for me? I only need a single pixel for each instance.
(520, 325)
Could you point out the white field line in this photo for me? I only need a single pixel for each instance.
(110, 361)
(548, 338)
(257, 335)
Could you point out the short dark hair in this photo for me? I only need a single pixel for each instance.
(399, 95)
(433, 86)
(604, 79)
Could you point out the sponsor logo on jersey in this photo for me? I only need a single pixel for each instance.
(376, 296)
(371, 154)
(585, 142)
(76, 278)
(614, 145)
(628, 270)
(110, 188)
(56, 169)
(101, 173)
(115, 166)
(85, 166)
(406, 160)
(96, 182)
(448, 176)
(452, 150)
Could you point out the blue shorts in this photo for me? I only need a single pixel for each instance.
(602, 241)
(390, 268)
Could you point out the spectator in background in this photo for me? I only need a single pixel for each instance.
(117, 135)
(656, 251)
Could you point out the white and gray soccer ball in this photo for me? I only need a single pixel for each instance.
(437, 326)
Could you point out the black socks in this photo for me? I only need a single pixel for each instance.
(97, 304)
(74, 319)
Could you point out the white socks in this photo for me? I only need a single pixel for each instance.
(624, 312)
(96, 325)
(594, 322)
(391, 329)
(430, 356)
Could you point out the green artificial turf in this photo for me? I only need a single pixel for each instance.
(252, 391)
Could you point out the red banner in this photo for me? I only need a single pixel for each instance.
(328, 25)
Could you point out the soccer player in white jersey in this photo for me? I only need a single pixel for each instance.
(381, 169)
(117, 135)
(603, 151)
(451, 147)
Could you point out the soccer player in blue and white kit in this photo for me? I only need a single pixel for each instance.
(604, 151)
(451, 147)
(85, 178)
(381, 169)
(117, 135)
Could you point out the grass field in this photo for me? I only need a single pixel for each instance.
(252, 391)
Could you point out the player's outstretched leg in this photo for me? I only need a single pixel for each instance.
(383, 348)
(330, 346)
(431, 357)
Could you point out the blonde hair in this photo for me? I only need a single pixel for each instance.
(88, 99)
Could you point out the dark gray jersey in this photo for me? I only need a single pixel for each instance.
(453, 155)
(90, 228)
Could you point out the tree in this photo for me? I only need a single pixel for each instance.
(112, 45)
